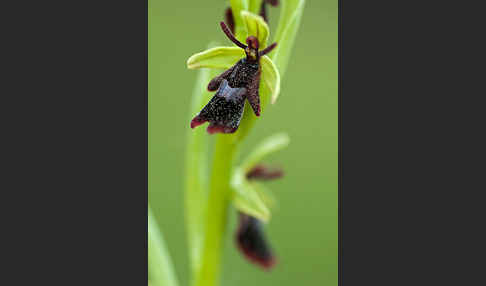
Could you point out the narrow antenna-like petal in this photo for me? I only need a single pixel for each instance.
(228, 15)
(267, 49)
(263, 173)
(231, 36)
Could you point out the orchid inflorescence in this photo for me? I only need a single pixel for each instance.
(224, 112)
(241, 81)
(244, 78)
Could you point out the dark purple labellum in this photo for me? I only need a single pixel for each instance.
(252, 243)
(225, 109)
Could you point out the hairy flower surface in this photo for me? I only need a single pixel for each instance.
(224, 110)
(252, 243)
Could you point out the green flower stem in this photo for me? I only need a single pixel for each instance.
(217, 210)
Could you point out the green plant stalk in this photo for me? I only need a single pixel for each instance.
(160, 269)
(217, 210)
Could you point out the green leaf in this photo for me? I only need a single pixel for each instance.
(218, 57)
(270, 145)
(247, 198)
(237, 6)
(160, 269)
(256, 26)
(290, 16)
(270, 77)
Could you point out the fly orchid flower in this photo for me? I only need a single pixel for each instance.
(245, 65)
(225, 109)
(253, 201)
(250, 238)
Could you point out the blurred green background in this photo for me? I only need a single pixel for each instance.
(303, 229)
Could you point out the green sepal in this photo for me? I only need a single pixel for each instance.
(218, 57)
(247, 198)
(270, 77)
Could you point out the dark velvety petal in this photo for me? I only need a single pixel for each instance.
(253, 95)
(252, 243)
(263, 173)
(224, 110)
